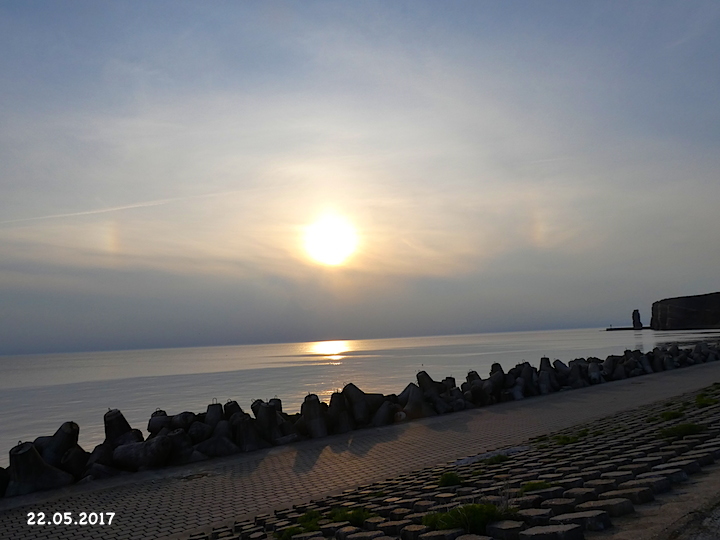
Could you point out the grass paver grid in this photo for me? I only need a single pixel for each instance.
(153, 506)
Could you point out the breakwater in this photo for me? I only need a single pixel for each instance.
(57, 460)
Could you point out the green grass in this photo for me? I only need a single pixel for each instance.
(652, 419)
(450, 479)
(702, 400)
(569, 439)
(671, 415)
(534, 486)
(309, 520)
(496, 460)
(288, 533)
(681, 430)
(356, 517)
(472, 518)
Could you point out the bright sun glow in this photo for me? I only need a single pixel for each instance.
(330, 240)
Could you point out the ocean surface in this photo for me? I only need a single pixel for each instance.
(40, 392)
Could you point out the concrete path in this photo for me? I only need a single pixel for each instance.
(180, 500)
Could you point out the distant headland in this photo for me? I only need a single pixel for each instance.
(696, 312)
(701, 311)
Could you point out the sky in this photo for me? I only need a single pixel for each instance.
(505, 165)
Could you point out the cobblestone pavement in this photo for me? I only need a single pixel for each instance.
(172, 501)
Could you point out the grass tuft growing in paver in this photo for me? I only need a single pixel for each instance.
(566, 439)
(496, 460)
(288, 533)
(450, 479)
(702, 400)
(309, 520)
(671, 415)
(472, 518)
(570, 439)
(681, 430)
(356, 517)
(534, 486)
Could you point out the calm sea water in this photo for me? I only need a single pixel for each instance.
(40, 392)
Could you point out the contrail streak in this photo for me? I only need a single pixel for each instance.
(147, 204)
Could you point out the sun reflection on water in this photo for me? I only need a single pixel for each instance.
(332, 350)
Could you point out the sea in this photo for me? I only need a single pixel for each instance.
(40, 392)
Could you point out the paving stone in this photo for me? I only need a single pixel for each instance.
(581, 494)
(473, 537)
(713, 448)
(690, 466)
(551, 477)
(329, 529)
(393, 528)
(343, 532)
(614, 507)
(569, 483)
(618, 461)
(589, 474)
(505, 530)
(536, 516)
(400, 513)
(676, 476)
(559, 506)
(385, 511)
(658, 484)
(307, 535)
(526, 501)
(554, 532)
(635, 468)
(639, 495)
(549, 493)
(417, 517)
(371, 523)
(364, 535)
(680, 448)
(589, 520)
(568, 471)
(412, 532)
(618, 476)
(423, 506)
(450, 534)
(703, 458)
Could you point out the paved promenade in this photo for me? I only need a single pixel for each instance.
(166, 503)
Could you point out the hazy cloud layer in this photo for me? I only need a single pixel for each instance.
(507, 167)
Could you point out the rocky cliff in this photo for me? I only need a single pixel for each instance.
(687, 312)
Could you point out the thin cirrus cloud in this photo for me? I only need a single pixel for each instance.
(487, 158)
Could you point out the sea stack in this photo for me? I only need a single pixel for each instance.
(637, 323)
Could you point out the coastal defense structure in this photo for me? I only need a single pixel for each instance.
(687, 312)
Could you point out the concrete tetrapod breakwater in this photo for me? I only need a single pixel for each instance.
(56, 461)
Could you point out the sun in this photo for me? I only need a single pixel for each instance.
(330, 240)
